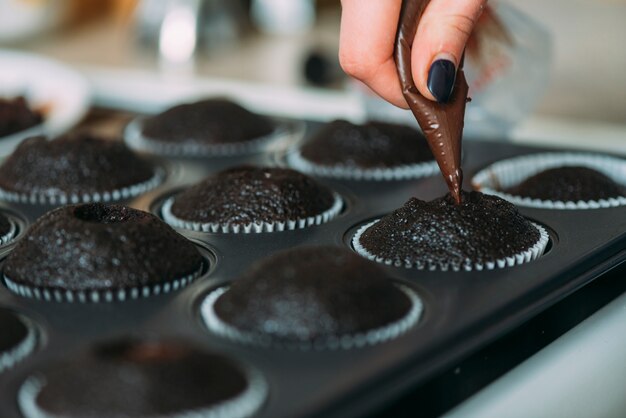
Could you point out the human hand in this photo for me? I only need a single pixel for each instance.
(366, 46)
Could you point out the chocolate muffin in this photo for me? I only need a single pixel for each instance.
(313, 296)
(207, 122)
(440, 234)
(74, 168)
(568, 184)
(17, 338)
(129, 378)
(372, 145)
(16, 115)
(104, 251)
(247, 195)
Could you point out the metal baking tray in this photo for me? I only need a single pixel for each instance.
(464, 311)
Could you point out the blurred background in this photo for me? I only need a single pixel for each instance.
(285, 53)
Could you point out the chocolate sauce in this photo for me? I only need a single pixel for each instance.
(442, 123)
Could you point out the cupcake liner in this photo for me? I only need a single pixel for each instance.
(241, 406)
(401, 172)
(135, 139)
(289, 225)
(12, 356)
(50, 294)
(513, 171)
(374, 336)
(6, 238)
(530, 254)
(61, 198)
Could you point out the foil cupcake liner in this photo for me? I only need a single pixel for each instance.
(6, 238)
(241, 406)
(60, 198)
(14, 355)
(99, 295)
(402, 172)
(534, 252)
(135, 139)
(513, 171)
(289, 225)
(345, 342)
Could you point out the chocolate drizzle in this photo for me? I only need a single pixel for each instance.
(442, 123)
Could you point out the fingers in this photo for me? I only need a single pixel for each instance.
(439, 43)
(366, 43)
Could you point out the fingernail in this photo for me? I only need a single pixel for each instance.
(441, 76)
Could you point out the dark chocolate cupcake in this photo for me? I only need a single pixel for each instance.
(143, 379)
(16, 116)
(252, 199)
(557, 181)
(568, 184)
(207, 127)
(77, 168)
(373, 151)
(482, 232)
(97, 252)
(312, 297)
(17, 338)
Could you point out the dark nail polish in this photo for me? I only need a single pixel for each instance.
(441, 78)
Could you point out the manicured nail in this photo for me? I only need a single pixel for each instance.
(441, 78)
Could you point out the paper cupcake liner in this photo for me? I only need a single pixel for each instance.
(14, 355)
(513, 171)
(402, 172)
(241, 406)
(135, 139)
(289, 225)
(534, 252)
(60, 198)
(49, 294)
(6, 238)
(374, 336)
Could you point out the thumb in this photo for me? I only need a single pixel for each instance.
(439, 42)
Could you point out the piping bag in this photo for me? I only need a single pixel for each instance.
(442, 123)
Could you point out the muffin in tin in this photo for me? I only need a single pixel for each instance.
(75, 168)
(98, 252)
(482, 232)
(147, 378)
(16, 115)
(371, 151)
(557, 180)
(252, 199)
(215, 126)
(17, 339)
(312, 297)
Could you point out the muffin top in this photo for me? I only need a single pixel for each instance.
(483, 228)
(371, 145)
(211, 121)
(130, 378)
(16, 115)
(568, 184)
(248, 194)
(98, 246)
(312, 293)
(73, 164)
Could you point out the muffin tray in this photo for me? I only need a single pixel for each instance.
(463, 311)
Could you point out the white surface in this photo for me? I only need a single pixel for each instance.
(46, 84)
(582, 374)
